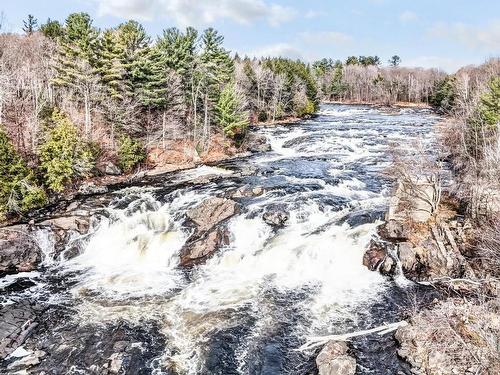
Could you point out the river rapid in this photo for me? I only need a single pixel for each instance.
(248, 308)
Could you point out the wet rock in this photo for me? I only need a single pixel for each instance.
(246, 192)
(75, 347)
(211, 212)
(17, 321)
(276, 217)
(91, 188)
(333, 360)
(19, 252)
(375, 254)
(202, 248)
(27, 361)
(257, 143)
(394, 230)
(66, 223)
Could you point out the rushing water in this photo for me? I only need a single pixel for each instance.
(249, 307)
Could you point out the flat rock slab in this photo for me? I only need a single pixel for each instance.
(17, 321)
(211, 212)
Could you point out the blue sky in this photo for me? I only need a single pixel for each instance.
(429, 33)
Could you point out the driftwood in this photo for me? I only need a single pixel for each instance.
(316, 341)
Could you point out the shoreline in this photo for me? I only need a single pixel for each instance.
(380, 104)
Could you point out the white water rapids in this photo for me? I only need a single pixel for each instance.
(247, 308)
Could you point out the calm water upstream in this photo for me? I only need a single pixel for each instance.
(249, 307)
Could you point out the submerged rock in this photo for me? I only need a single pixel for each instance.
(211, 212)
(333, 360)
(246, 191)
(19, 251)
(276, 217)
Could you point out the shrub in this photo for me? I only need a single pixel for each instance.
(307, 109)
(63, 155)
(130, 153)
(18, 188)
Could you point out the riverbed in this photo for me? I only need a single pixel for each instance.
(249, 307)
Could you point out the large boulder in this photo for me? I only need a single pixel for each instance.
(257, 143)
(19, 251)
(375, 255)
(196, 251)
(333, 360)
(211, 212)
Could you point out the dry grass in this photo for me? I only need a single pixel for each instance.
(453, 337)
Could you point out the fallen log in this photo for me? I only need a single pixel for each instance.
(316, 341)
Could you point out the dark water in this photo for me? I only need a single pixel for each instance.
(247, 309)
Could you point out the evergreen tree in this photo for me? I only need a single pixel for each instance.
(230, 114)
(489, 105)
(352, 60)
(30, 25)
(150, 74)
(110, 65)
(63, 155)
(77, 65)
(217, 64)
(395, 61)
(18, 188)
(52, 29)
(132, 42)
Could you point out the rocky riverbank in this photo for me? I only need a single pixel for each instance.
(459, 333)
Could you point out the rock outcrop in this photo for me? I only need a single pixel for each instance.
(209, 235)
(17, 321)
(19, 251)
(334, 360)
(211, 212)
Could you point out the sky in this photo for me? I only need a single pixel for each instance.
(445, 34)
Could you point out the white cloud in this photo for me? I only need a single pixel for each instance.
(486, 38)
(325, 37)
(408, 16)
(198, 12)
(276, 50)
(310, 14)
(447, 64)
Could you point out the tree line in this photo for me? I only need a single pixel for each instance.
(363, 79)
(73, 95)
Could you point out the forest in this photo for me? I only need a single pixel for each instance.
(74, 98)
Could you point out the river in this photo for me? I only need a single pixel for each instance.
(249, 307)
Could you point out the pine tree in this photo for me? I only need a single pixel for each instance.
(111, 67)
(77, 65)
(52, 29)
(30, 25)
(132, 42)
(230, 114)
(150, 74)
(489, 106)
